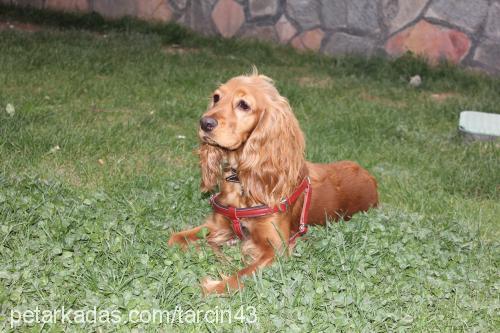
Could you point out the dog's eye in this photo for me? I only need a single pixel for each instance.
(243, 105)
(216, 98)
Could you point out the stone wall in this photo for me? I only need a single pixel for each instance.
(462, 31)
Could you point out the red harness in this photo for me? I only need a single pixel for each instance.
(235, 214)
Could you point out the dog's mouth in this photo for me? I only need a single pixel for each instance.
(208, 140)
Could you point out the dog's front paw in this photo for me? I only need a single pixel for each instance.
(175, 240)
(220, 287)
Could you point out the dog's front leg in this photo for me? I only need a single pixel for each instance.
(218, 232)
(266, 238)
(183, 238)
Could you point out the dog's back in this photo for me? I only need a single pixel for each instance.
(340, 190)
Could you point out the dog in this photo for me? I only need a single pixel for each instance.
(252, 149)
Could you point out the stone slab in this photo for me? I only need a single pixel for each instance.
(179, 4)
(266, 33)
(228, 16)
(492, 28)
(154, 10)
(259, 8)
(354, 14)
(115, 8)
(28, 3)
(284, 29)
(304, 12)
(431, 41)
(362, 15)
(309, 40)
(341, 43)
(197, 16)
(466, 14)
(398, 13)
(68, 5)
(488, 53)
(334, 14)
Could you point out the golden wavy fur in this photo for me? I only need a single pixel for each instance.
(249, 127)
(264, 157)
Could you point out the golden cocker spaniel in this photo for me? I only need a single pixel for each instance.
(252, 148)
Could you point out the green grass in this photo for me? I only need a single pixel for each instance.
(78, 233)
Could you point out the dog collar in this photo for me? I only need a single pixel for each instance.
(235, 214)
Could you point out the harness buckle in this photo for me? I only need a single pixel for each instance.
(284, 205)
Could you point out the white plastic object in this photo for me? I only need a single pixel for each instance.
(479, 125)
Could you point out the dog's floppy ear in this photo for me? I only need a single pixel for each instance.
(210, 163)
(272, 160)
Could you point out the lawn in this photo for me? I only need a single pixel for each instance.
(97, 169)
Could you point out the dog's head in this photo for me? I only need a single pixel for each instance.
(249, 117)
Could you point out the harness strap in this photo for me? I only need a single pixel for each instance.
(236, 221)
(234, 214)
(304, 214)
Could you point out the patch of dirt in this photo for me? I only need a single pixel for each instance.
(442, 97)
(124, 116)
(30, 27)
(382, 101)
(11, 25)
(178, 49)
(309, 81)
(65, 172)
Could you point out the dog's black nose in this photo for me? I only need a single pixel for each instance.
(208, 124)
